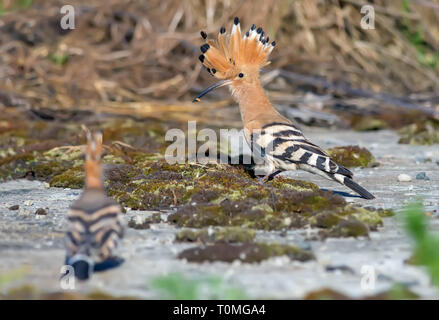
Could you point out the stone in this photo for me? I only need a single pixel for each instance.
(404, 178)
(422, 176)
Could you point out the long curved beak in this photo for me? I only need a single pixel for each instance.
(219, 84)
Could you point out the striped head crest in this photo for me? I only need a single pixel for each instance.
(231, 57)
(93, 149)
(225, 56)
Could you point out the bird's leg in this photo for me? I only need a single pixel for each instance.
(273, 200)
(269, 176)
(272, 172)
(261, 181)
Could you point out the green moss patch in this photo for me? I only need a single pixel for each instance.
(346, 228)
(155, 184)
(352, 156)
(73, 178)
(142, 222)
(294, 209)
(49, 151)
(213, 235)
(32, 165)
(422, 133)
(369, 124)
(247, 252)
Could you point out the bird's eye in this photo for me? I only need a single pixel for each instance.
(241, 75)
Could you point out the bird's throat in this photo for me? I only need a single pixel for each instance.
(93, 172)
(253, 102)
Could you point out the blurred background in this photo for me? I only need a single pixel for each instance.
(139, 58)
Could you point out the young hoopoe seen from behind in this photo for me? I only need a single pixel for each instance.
(95, 220)
(236, 59)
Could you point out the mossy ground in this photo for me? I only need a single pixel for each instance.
(138, 177)
(352, 156)
(421, 132)
(278, 207)
(141, 223)
(215, 235)
(245, 252)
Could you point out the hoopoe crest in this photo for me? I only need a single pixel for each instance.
(235, 58)
(93, 151)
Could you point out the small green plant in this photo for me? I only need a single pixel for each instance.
(177, 287)
(424, 52)
(59, 59)
(15, 5)
(12, 275)
(426, 251)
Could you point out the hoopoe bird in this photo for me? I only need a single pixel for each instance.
(95, 220)
(236, 60)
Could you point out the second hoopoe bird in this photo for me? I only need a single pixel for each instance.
(95, 220)
(236, 59)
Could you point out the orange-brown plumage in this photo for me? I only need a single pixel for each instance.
(225, 56)
(93, 168)
(237, 60)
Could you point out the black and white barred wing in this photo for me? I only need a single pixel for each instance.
(288, 149)
(94, 233)
(284, 147)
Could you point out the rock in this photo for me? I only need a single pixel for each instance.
(346, 228)
(404, 178)
(422, 176)
(14, 207)
(41, 212)
(342, 268)
(369, 124)
(141, 223)
(423, 132)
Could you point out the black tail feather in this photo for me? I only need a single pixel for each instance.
(348, 182)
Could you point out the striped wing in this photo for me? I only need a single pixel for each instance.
(94, 232)
(287, 146)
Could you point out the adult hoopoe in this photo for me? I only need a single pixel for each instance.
(236, 60)
(95, 220)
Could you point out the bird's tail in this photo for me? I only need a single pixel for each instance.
(351, 184)
(109, 263)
